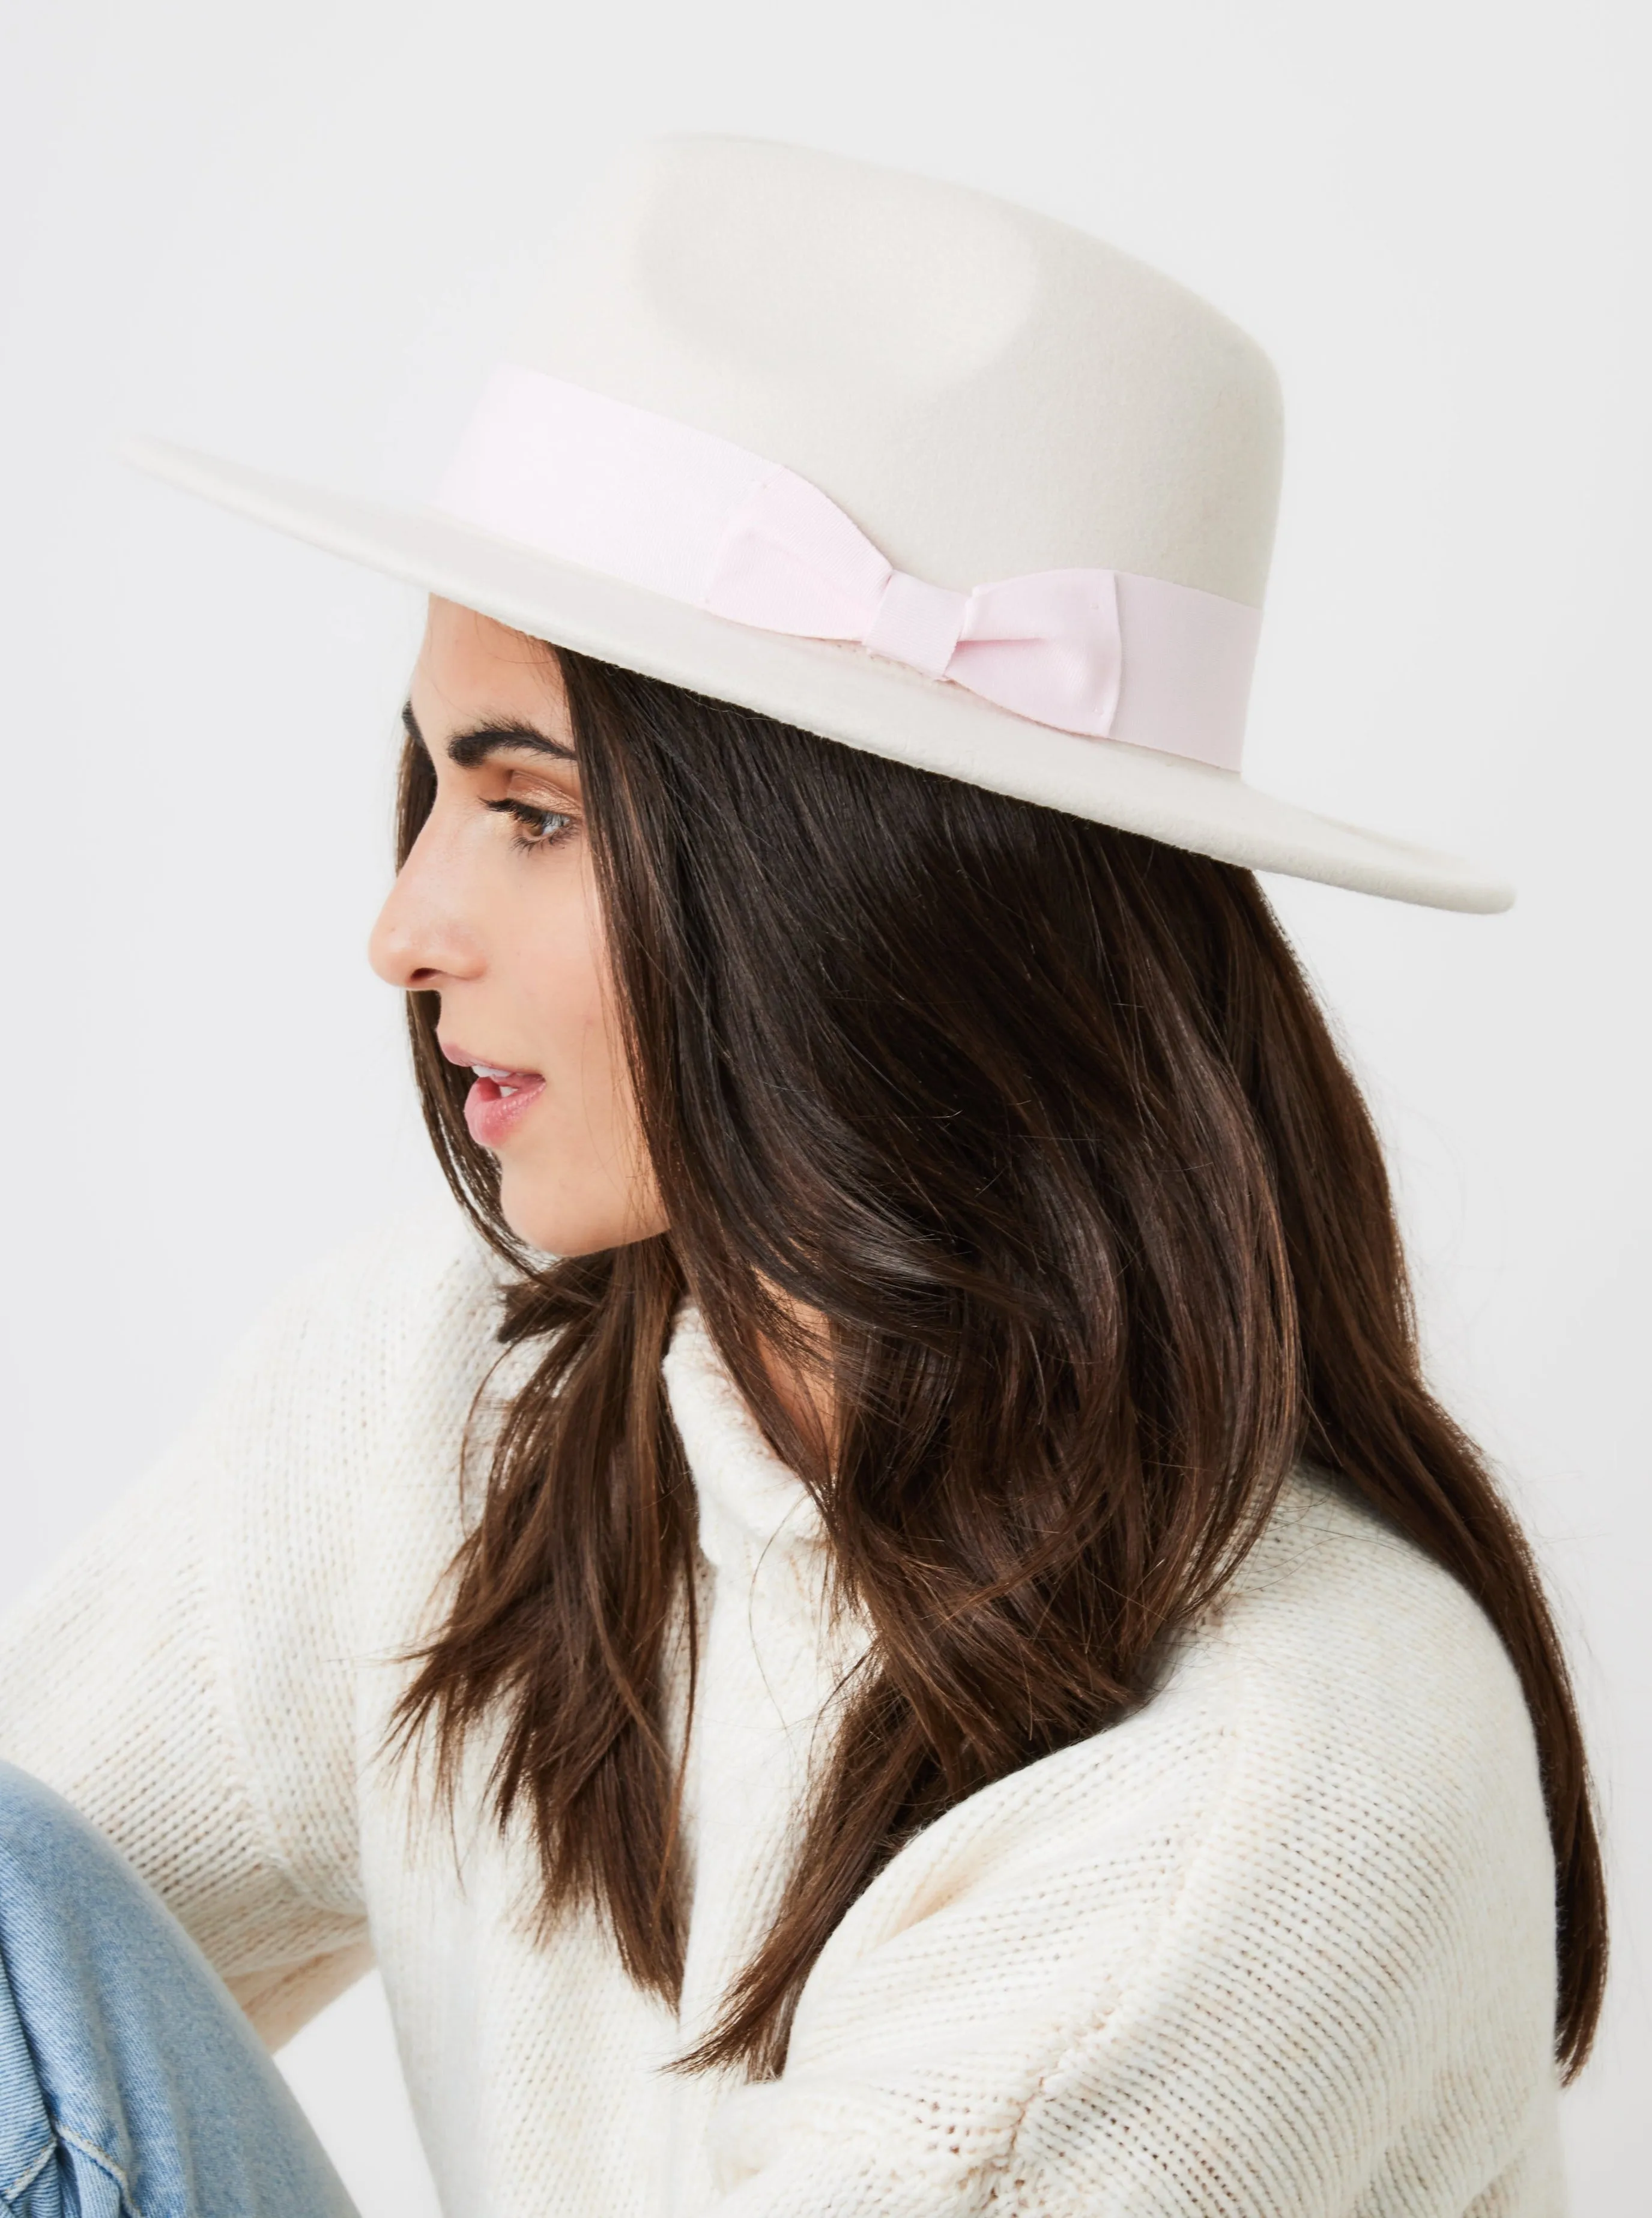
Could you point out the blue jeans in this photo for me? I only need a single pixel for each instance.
(131, 2085)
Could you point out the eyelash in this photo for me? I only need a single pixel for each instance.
(535, 820)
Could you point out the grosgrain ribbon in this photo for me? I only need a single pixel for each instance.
(660, 504)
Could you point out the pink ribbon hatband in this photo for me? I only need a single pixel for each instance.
(657, 503)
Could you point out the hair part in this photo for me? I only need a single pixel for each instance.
(1043, 1120)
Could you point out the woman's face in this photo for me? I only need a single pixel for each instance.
(496, 911)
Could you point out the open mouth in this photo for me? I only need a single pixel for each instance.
(497, 1100)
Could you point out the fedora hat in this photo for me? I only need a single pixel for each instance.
(891, 461)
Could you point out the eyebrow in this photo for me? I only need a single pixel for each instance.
(468, 749)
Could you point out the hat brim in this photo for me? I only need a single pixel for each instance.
(841, 692)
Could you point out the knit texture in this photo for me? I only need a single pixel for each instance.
(1280, 1944)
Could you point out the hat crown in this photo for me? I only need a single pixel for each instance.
(985, 392)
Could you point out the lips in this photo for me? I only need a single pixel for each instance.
(498, 1099)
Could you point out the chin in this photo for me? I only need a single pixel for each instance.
(569, 1221)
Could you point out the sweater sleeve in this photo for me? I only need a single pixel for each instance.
(188, 1674)
(1280, 1946)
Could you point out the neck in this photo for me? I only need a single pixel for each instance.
(796, 1360)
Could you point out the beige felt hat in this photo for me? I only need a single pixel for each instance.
(908, 466)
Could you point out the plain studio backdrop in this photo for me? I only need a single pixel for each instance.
(295, 233)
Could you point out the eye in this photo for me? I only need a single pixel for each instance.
(536, 828)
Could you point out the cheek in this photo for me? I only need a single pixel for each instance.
(576, 1178)
(563, 983)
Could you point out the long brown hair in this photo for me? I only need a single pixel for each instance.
(1042, 1120)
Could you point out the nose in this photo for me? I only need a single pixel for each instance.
(421, 939)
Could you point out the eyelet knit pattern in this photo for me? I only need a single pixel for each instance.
(1280, 1944)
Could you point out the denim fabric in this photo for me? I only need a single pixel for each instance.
(131, 2084)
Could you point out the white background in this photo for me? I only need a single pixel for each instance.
(296, 233)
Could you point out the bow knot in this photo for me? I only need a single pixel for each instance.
(917, 623)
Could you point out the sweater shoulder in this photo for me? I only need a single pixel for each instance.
(358, 1390)
(417, 1283)
(1376, 1720)
(385, 1341)
(1334, 1605)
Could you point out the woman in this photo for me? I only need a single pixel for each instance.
(950, 1659)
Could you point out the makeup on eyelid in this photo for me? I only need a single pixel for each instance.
(532, 819)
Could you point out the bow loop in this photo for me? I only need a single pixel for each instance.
(790, 560)
(1053, 635)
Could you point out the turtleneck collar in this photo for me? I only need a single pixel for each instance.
(749, 1501)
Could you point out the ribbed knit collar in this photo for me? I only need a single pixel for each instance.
(750, 1502)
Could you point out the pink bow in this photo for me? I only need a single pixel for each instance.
(1045, 646)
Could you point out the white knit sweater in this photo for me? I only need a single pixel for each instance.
(1279, 1945)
